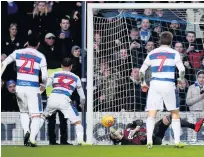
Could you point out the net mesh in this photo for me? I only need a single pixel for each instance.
(121, 44)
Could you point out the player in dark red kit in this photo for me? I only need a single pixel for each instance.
(135, 134)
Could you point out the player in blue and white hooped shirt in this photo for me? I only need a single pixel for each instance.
(163, 62)
(64, 83)
(29, 63)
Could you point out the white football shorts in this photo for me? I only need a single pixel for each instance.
(162, 93)
(30, 102)
(63, 103)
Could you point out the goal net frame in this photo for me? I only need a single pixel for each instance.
(90, 44)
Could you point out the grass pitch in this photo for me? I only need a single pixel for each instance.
(101, 151)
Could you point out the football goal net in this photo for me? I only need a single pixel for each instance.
(119, 38)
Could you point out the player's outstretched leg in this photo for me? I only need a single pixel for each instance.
(185, 124)
(25, 121)
(150, 127)
(199, 124)
(35, 127)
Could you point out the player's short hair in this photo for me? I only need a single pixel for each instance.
(190, 32)
(134, 30)
(13, 24)
(166, 38)
(200, 72)
(64, 18)
(33, 40)
(177, 43)
(149, 41)
(66, 62)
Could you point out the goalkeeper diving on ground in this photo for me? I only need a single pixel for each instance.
(135, 134)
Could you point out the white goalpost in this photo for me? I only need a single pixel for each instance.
(110, 61)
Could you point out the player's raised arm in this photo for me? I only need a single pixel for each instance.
(180, 66)
(7, 61)
(80, 92)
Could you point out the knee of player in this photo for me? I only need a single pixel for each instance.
(175, 114)
(78, 122)
(35, 115)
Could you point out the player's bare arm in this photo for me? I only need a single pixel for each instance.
(81, 92)
(6, 62)
(44, 75)
(143, 69)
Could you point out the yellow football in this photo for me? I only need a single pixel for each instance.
(108, 121)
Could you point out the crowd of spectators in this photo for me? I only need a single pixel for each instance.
(56, 24)
(58, 28)
(119, 55)
(117, 58)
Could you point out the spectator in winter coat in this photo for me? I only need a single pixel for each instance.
(195, 95)
(76, 60)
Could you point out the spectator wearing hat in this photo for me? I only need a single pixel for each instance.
(76, 69)
(52, 51)
(9, 101)
(176, 31)
(157, 29)
(76, 60)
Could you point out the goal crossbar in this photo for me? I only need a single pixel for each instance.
(145, 6)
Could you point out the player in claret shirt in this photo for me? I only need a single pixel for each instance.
(135, 134)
